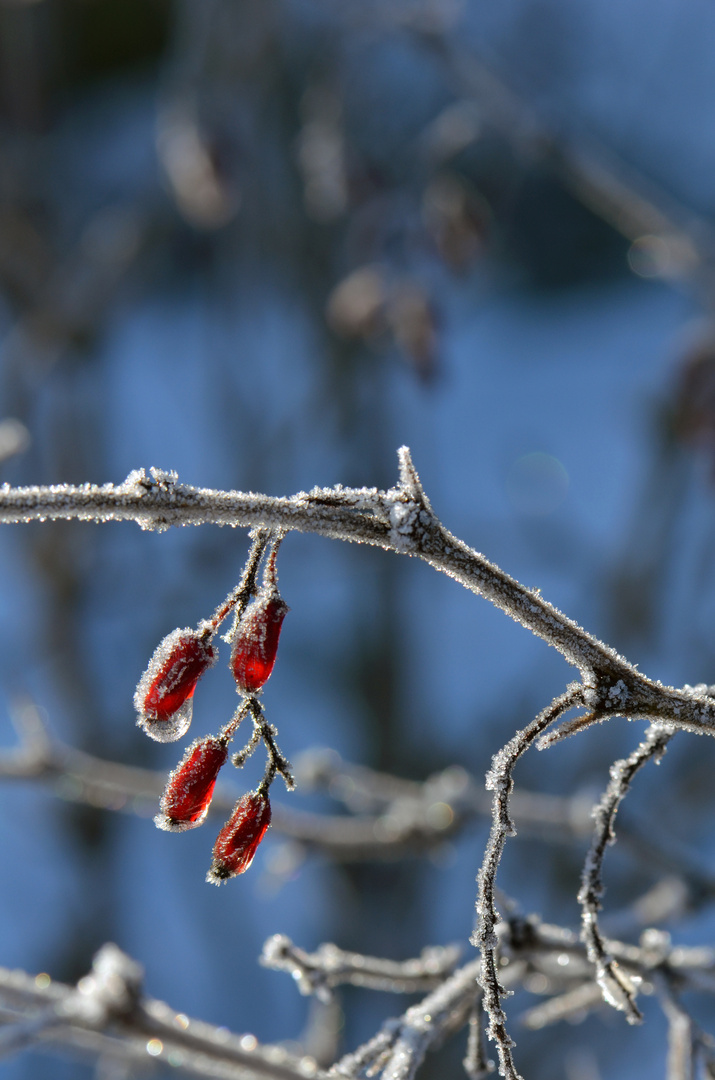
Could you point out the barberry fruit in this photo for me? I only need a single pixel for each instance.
(255, 640)
(164, 696)
(238, 840)
(188, 793)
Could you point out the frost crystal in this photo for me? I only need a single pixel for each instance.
(403, 518)
(164, 696)
(618, 693)
(135, 482)
(238, 840)
(187, 796)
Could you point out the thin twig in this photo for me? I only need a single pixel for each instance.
(681, 1044)
(107, 1013)
(563, 1007)
(239, 598)
(617, 988)
(320, 972)
(400, 1047)
(687, 1042)
(446, 1010)
(277, 763)
(476, 1064)
(499, 780)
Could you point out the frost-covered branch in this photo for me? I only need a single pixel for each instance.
(499, 780)
(156, 501)
(688, 1044)
(107, 1014)
(320, 972)
(682, 1039)
(562, 961)
(401, 520)
(400, 1047)
(526, 946)
(477, 1064)
(618, 990)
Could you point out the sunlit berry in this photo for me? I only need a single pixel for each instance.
(255, 642)
(163, 698)
(238, 840)
(188, 793)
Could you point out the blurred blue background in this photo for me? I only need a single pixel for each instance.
(265, 244)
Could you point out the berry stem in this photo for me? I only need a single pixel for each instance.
(270, 575)
(277, 763)
(240, 758)
(239, 597)
(228, 732)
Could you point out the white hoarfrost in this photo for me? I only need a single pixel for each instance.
(404, 517)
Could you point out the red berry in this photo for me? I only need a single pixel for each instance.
(238, 840)
(255, 641)
(163, 698)
(186, 798)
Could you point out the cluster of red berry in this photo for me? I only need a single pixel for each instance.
(164, 703)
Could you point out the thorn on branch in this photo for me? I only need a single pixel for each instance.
(409, 480)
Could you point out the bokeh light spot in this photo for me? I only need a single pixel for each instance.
(537, 484)
(649, 257)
